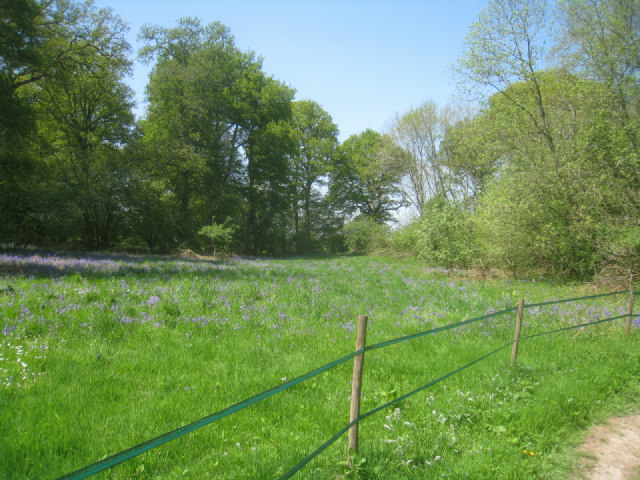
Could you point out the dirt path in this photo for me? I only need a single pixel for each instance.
(612, 451)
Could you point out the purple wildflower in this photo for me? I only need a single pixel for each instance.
(7, 329)
(153, 300)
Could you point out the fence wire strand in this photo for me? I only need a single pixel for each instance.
(567, 300)
(438, 329)
(573, 327)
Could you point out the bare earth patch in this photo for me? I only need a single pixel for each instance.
(612, 451)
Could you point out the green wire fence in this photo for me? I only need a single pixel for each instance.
(129, 453)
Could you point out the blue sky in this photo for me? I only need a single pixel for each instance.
(363, 61)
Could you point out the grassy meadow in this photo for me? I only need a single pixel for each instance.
(100, 353)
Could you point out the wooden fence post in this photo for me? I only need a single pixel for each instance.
(516, 337)
(356, 386)
(629, 318)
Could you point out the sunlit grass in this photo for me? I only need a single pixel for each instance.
(99, 354)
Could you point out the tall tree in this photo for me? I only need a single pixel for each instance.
(316, 138)
(21, 39)
(602, 41)
(50, 48)
(214, 121)
(268, 147)
(194, 120)
(420, 133)
(546, 209)
(84, 115)
(472, 151)
(553, 135)
(43, 39)
(366, 176)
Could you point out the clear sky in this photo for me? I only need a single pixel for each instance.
(362, 61)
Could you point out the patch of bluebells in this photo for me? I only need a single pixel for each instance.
(8, 329)
(202, 321)
(153, 300)
(267, 309)
(53, 265)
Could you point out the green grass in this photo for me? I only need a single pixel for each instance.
(99, 354)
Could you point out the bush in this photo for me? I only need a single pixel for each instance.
(406, 239)
(445, 234)
(219, 235)
(364, 235)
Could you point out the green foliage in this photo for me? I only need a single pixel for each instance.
(544, 179)
(601, 39)
(151, 219)
(20, 51)
(197, 95)
(549, 159)
(547, 208)
(366, 176)
(365, 235)
(405, 240)
(316, 140)
(218, 127)
(219, 235)
(505, 45)
(445, 234)
(64, 63)
(471, 151)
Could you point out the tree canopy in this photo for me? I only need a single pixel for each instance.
(366, 175)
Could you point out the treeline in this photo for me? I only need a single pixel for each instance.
(222, 142)
(543, 176)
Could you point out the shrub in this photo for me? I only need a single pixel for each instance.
(445, 234)
(219, 234)
(364, 235)
(406, 239)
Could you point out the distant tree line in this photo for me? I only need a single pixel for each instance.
(541, 175)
